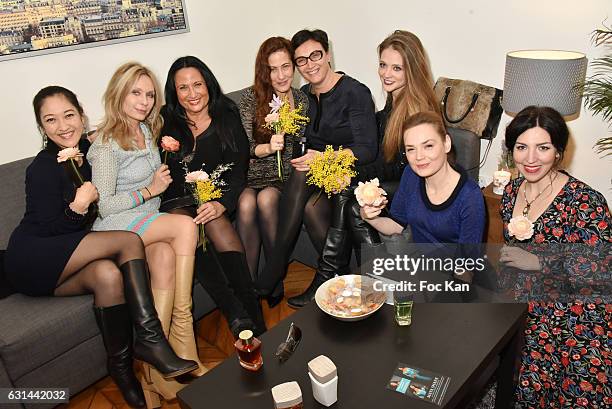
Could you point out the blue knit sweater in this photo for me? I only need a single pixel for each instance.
(460, 219)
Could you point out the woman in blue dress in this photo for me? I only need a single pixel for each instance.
(436, 199)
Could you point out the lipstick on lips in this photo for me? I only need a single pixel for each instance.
(531, 169)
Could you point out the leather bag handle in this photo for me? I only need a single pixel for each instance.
(462, 117)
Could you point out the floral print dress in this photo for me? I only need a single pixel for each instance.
(566, 361)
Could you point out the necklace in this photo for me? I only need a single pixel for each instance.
(528, 203)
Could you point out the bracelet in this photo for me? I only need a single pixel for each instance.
(148, 191)
(73, 216)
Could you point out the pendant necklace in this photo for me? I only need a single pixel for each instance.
(528, 203)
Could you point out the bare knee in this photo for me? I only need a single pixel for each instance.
(186, 237)
(161, 260)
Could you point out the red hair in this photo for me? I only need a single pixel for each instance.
(263, 86)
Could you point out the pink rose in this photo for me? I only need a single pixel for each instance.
(68, 153)
(193, 177)
(369, 193)
(520, 227)
(169, 144)
(271, 118)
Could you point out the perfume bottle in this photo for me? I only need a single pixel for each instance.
(249, 350)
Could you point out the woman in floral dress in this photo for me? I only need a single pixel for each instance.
(566, 357)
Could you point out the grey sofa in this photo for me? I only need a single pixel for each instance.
(54, 341)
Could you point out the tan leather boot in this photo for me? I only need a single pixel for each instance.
(153, 383)
(182, 338)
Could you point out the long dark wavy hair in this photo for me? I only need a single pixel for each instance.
(263, 85)
(221, 109)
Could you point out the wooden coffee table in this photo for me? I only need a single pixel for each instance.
(468, 342)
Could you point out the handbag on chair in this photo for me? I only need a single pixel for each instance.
(470, 106)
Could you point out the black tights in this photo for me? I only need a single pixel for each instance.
(219, 231)
(93, 267)
(297, 204)
(256, 222)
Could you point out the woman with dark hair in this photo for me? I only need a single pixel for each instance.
(257, 217)
(565, 357)
(341, 112)
(440, 203)
(405, 75)
(71, 260)
(207, 125)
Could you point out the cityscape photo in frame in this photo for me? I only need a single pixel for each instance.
(34, 27)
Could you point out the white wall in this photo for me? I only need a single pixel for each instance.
(466, 39)
(469, 39)
(221, 34)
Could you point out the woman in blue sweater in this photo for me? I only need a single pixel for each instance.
(436, 199)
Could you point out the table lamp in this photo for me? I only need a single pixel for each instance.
(550, 78)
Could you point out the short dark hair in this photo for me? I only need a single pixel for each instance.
(317, 35)
(50, 91)
(535, 116)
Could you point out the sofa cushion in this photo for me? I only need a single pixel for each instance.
(13, 197)
(5, 287)
(34, 331)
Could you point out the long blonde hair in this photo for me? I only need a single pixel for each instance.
(115, 125)
(418, 94)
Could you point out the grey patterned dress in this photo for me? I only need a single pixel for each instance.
(263, 172)
(119, 174)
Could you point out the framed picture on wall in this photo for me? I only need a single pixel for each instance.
(33, 27)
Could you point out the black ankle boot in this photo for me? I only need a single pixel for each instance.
(151, 345)
(116, 329)
(307, 296)
(236, 269)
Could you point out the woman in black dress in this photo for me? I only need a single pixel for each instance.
(207, 125)
(73, 261)
(341, 112)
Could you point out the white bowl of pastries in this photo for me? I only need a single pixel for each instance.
(349, 297)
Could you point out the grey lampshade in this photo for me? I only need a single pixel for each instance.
(545, 78)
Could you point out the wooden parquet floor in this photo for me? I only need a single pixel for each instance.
(215, 344)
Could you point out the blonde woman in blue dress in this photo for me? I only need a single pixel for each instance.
(127, 170)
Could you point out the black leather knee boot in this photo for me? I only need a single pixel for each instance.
(336, 253)
(214, 280)
(116, 329)
(151, 344)
(236, 269)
